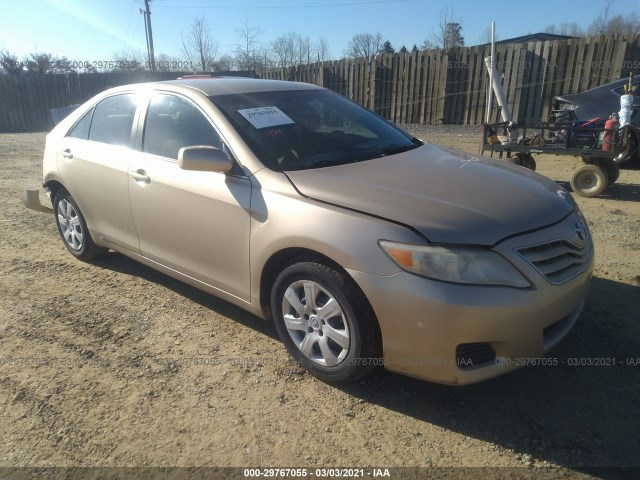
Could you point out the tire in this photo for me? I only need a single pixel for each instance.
(589, 181)
(529, 162)
(633, 163)
(73, 228)
(334, 336)
(524, 160)
(612, 170)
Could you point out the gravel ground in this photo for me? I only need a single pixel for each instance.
(114, 364)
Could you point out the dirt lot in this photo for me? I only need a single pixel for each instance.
(113, 364)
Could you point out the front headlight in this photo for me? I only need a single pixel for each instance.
(468, 265)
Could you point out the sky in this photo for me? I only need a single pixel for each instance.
(94, 30)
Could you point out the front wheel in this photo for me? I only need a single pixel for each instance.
(325, 322)
(73, 228)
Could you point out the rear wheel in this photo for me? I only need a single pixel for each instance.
(73, 228)
(589, 181)
(633, 161)
(325, 322)
(529, 162)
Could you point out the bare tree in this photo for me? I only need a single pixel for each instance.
(284, 49)
(428, 45)
(198, 47)
(448, 34)
(129, 61)
(599, 25)
(292, 49)
(628, 24)
(571, 29)
(225, 63)
(322, 49)
(451, 36)
(365, 45)
(603, 24)
(10, 63)
(304, 50)
(249, 53)
(169, 63)
(485, 36)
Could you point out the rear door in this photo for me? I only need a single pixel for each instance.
(93, 162)
(194, 222)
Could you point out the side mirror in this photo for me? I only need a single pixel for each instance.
(204, 159)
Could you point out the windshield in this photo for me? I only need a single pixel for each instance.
(303, 129)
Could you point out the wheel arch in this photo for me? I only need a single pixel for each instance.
(54, 186)
(281, 259)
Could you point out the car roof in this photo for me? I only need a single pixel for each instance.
(230, 85)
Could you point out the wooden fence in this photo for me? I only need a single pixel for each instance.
(451, 86)
(415, 87)
(25, 100)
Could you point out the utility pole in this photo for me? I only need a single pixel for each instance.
(146, 35)
(147, 27)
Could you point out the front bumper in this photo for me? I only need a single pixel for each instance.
(431, 330)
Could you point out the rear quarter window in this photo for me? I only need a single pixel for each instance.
(112, 120)
(81, 128)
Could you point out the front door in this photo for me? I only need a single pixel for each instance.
(194, 222)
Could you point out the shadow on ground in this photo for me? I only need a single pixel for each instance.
(122, 264)
(581, 414)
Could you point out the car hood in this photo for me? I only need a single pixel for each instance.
(447, 195)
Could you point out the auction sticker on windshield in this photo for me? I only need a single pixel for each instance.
(263, 117)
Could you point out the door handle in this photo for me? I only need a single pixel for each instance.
(140, 175)
(67, 154)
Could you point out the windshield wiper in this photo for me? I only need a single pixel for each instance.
(387, 151)
(319, 163)
(384, 152)
(394, 150)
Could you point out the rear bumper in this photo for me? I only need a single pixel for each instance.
(31, 200)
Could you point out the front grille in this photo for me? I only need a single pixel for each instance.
(472, 355)
(558, 261)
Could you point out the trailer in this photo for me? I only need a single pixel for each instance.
(601, 149)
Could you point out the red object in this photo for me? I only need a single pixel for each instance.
(607, 141)
(190, 77)
(590, 122)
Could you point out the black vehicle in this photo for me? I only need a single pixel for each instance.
(599, 102)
